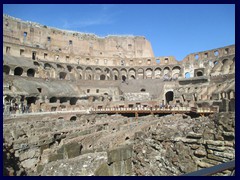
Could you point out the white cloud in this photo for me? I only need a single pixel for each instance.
(103, 17)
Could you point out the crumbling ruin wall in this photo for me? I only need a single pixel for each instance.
(175, 147)
(117, 145)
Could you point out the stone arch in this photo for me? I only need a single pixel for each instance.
(62, 75)
(60, 67)
(6, 69)
(31, 100)
(176, 72)
(166, 70)
(30, 72)
(132, 73)
(73, 101)
(149, 61)
(115, 74)
(89, 73)
(199, 73)
(140, 73)
(157, 73)
(169, 96)
(73, 118)
(187, 75)
(63, 100)
(18, 71)
(53, 100)
(98, 72)
(108, 73)
(123, 74)
(149, 73)
(80, 71)
(47, 66)
(102, 77)
(70, 68)
(226, 61)
(36, 63)
(226, 66)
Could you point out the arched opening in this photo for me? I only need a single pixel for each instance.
(89, 77)
(31, 100)
(6, 69)
(132, 73)
(69, 68)
(157, 73)
(124, 74)
(166, 70)
(18, 71)
(30, 72)
(143, 90)
(158, 61)
(60, 67)
(169, 96)
(149, 73)
(62, 75)
(175, 72)
(124, 78)
(140, 73)
(149, 61)
(225, 61)
(88, 73)
(187, 75)
(63, 100)
(79, 68)
(196, 56)
(53, 100)
(73, 101)
(102, 77)
(73, 118)
(115, 74)
(36, 63)
(199, 73)
(47, 66)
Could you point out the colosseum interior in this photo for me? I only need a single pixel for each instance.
(78, 104)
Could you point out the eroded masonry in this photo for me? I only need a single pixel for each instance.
(72, 105)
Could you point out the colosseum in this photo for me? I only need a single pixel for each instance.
(76, 104)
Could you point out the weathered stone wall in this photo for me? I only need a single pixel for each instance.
(117, 145)
(176, 147)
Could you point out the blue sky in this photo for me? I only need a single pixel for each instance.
(173, 30)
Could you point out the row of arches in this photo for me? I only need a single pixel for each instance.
(18, 71)
(97, 73)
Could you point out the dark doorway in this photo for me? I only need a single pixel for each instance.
(30, 73)
(31, 100)
(6, 69)
(102, 77)
(63, 100)
(53, 100)
(33, 55)
(73, 118)
(199, 73)
(18, 71)
(73, 101)
(169, 96)
(62, 75)
(124, 78)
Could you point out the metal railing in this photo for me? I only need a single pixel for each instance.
(214, 170)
